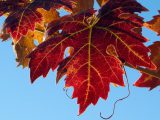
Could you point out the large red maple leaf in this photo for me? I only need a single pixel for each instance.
(23, 15)
(91, 67)
(148, 80)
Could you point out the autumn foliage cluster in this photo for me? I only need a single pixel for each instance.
(98, 43)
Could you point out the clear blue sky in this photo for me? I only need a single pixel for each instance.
(44, 100)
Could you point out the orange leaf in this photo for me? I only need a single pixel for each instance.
(102, 2)
(154, 24)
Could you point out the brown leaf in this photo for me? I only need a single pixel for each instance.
(4, 35)
(154, 24)
(83, 5)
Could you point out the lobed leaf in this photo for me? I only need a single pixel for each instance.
(23, 14)
(26, 44)
(18, 24)
(99, 44)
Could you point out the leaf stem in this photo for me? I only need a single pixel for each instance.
(146, 71)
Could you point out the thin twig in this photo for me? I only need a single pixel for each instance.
(146, 71)
(66, 92)
(121, 99)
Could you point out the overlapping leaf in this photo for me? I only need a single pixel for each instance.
(82, 63)
(18, 24)
(91, 67)
(23, 15)
(26, 44)
(154, 24)
(147, 80)
(48, 15)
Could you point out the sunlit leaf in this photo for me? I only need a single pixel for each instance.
(23, 14)
(147, 80)
(91, 66)
(26, 44)
(154, 24)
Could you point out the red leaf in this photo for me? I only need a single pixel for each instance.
(147, 80)
(91, 67)
(86, 72)
(23, 15)
(18, 24)
(47, 55)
